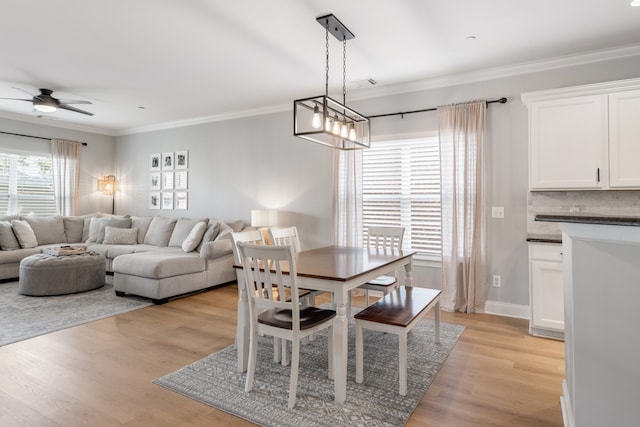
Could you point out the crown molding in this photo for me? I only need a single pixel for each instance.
(52, 123)
(582, 90)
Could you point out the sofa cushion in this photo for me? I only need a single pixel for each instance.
(120, 236)
(195, 237)
(24, 233)
(8, 239)
(182, 229)
(158, 264)
(14, 257)
(160, 231)
(48, 229)
(112, 222)
(73, 227)
(210, 234)
(142, 224)
(225, 232)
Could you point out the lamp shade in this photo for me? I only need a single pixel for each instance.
(264, 218)
(108, 185)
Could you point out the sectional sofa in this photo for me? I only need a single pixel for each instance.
(154, 257)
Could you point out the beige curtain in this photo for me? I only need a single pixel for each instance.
(347, 206)
(461, 129)
(66, 174)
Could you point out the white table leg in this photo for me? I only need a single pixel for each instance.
(409, 273)
(402, 361)
(340, 342)
(242, 330)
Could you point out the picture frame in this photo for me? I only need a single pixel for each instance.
(154, 200)
(182, 159)
(154, 180)
(181, 200)
(181, 180)
(167, 200)
(155, 161)
(167, 160)
(167, 180)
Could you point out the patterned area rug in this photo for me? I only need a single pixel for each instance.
(25, 317)
(376, 402)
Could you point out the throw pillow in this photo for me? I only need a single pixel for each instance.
(142, 224)
(225, 232)
(8, 240)
(112, 222)
(94, 228)
(195, 236)
(120, 236)
(212, 231)
(160, 231)
(48, 229)
(182, 229)
(24, 233)
(73, 226)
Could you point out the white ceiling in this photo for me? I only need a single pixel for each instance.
(198, 60)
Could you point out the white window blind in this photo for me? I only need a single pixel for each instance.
(26, 185)
(401, 187)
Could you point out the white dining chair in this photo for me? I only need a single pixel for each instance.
(383, 239)
(272, 314)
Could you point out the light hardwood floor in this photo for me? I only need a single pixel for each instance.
(101, 373)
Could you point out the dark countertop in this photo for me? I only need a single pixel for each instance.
(544, 238)
(590, 219)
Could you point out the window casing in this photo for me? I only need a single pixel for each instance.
(401, 187)
(26, 185)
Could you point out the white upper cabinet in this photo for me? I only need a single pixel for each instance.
(585, 137)
(624, 139)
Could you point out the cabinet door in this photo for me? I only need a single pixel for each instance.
(624, 139)
(547, 294)
(568, 143)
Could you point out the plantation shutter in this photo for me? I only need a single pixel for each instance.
(26, 185)
(401, 187)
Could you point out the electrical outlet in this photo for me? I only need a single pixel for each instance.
(497, 212)
(497, 281)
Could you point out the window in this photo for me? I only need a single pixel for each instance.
(26, 185)
(401, 187)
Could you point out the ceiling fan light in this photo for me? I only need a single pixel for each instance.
(45, 108)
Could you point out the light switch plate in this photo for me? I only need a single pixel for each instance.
(497, 212)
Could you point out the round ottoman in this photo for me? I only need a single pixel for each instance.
(43, 274)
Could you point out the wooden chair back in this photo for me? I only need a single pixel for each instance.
(386, 238)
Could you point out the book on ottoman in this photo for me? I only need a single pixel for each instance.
(63, 250)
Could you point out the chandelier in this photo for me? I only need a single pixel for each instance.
(324, 120)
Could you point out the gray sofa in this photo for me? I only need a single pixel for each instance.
(154, 257)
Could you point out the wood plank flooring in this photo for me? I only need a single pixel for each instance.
(101, 373)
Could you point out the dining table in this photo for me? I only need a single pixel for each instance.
(335, 269)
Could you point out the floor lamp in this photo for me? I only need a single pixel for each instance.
(108, 185)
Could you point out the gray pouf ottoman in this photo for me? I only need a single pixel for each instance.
(43, 274)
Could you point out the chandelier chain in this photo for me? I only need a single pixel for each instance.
(326, 79)
(344, 71)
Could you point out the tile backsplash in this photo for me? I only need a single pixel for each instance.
(620, 203)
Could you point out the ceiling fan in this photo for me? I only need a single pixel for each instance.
(46, 103)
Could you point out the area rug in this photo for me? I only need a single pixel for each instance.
(376, 402)
(23, 317)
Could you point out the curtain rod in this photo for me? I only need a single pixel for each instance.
(35, 137)
(502, 100)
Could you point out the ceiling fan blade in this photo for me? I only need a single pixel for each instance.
(73, 101)
(74, 109)
(18, 99)
(25, 91)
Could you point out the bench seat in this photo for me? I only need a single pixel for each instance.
(396, 313)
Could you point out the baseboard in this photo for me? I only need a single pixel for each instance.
(565, 404)
(507, 309)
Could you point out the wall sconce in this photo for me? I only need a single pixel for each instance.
(108, 186)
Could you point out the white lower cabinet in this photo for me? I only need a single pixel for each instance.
(546, 290)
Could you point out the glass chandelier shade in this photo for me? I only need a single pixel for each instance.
(324, 120)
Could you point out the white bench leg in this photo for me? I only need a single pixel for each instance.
(359, 353)
(402, 362)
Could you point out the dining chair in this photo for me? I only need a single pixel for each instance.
(383, 239)
(272, 314)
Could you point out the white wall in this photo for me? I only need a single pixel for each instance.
(97, 158)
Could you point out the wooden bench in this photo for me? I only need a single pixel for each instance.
(397, 312)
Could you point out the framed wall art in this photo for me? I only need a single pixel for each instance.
(167, 160)
(154, 162)
(154, 200)
(181, 200)
(181, 180)
(182, 159)
(167, 200)
(154, 181)
(167, 180)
